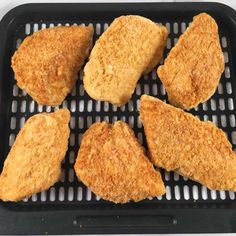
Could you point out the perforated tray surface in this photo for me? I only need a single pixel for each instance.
(69, 206)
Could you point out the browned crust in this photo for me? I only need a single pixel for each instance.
(131, 46)
(47, 62)
(113, 164)
(180, 142)
(193, 68)
(34, 161)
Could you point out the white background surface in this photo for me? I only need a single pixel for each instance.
(6, 5)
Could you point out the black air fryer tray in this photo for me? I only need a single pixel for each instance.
(69, 207)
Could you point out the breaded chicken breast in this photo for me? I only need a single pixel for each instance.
(131, 46)
(193, 68)
(113, 164)
(47, 62)
(180, 142)
(34, 161)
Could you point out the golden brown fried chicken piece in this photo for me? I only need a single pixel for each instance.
(34, 161)
(113, 164)
(131, 46)
(193, 68)
(47, 63)
(180, 142)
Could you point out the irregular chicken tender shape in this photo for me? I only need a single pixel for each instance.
(34, 161)
(46, 64)
(193, 68)
(131, 46)
(114, 166)
(180, 142)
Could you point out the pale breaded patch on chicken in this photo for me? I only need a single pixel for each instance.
(114, 166)
(47, 63)
(180, 142)
(34, 161)
(193, 68)
(131, 46)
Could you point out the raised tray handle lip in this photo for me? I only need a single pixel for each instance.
(171, 220)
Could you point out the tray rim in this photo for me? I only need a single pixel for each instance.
(15, 222)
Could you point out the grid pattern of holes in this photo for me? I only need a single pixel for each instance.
(85, 111)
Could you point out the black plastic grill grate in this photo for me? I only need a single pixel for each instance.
(84, 111)
(69, 207)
